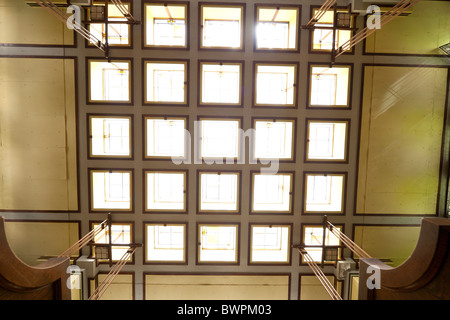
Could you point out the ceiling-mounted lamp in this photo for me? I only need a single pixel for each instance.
(343, 19)
(97, 13)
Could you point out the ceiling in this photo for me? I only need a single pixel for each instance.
(372, 85)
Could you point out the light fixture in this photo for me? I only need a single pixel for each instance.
(343, 19)
(97, 13)
(101, 252)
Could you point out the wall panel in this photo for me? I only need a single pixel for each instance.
(402, 121)
(38, 149)
(22, 24)
(216, 287)
(420, 33)
(32, 240)
(312, 289)
(121, 288)
(395, 243)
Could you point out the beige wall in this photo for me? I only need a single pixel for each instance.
(31, 240)
(216, 287)
(422, 32)
(121, 288)
(354, 288)
(312, 289)
(388, 242)
(22, 24)
(400, 145)
(38, 162)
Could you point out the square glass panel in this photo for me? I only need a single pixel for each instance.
(277, 28)
(166, 82)
(324, 193)
(274, 140)
(110, 136)
(270, 244)
(330, 87)
(166, 191)
(219, 138)
(327, 140)
(221, 26)
(218, 243)
(272, 193)
(110, 190)
(165, 243)
(109, 81)
(165, 25)
(166, 138)
(220, 83)
(275, 85)
(219, 191)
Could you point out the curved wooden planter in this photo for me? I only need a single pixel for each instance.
(19, 281)
(425, 275)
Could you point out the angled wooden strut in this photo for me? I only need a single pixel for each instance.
(319, 14)
(391, 14)
(102, 287)
(358, 251)
(125, 12)
(330, 289)
(64, 17)
(77, 246)
(19, 281)
(425, 275)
